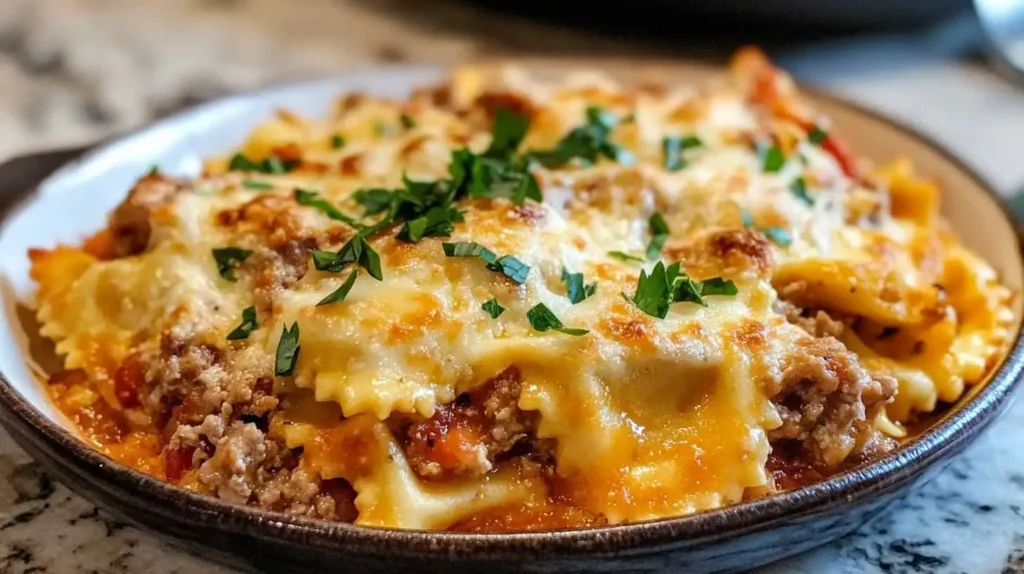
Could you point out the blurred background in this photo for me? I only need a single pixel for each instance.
(75, 70)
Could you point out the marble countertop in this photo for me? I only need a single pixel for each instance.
(75, 70)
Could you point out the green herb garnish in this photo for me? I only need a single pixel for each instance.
(493, 308)
(355, 250)
(817, 135)
(778, 235)
(507, 265)
(623, 256)
(673, 148)
(313, 199)
(799, 189)
(248, 325)
(576, 289)
(228, 258)
(407, 121)
(772, 159)
(271, 164)
(257, 185)
(340, 293)
(659, 235)
(586, 143)
(337, 142)
(287, 351)
(655, 292)
(542, 319)
(374, 200)
(469, 249)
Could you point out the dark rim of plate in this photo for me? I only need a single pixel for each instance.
(947, 436)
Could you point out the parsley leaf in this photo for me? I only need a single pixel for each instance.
(438, 222)
(659, 235)
(227, 259)
(817, 135)
(287, 351)
(799, 189)
(493, 308)
(355, 250)
(375, 200)
(508, 265)
(154, 170)
(623, 256)
(772, 159)
(340, 293)
(512, 268)
(407, 121)
(248, 325)
(542, 319)
(674, 146)
(586, 143)
(507, 133)
(576, 290)
(271, 164)
(718, 286)
(469, 249)
(777, 234)
(257, 185)
(337, 142)
(655, 292)
(313, 199)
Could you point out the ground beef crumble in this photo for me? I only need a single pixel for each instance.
(468, 435)
(828, 401)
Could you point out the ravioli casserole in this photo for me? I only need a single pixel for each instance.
(512, 304)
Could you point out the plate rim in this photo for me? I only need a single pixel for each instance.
(947, 436)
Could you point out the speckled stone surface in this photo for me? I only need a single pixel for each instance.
(75, 70)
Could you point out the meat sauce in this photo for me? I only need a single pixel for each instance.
(445, 442)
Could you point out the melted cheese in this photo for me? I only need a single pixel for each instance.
(649, 417)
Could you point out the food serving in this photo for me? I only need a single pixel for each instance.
(507, 304)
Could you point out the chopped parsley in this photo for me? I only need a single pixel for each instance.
(257, 185)
(507, 265)
(623, 256)
(228, 258)
(656, 291)
(154, 170)
(248, 325)
(383, 129)
(674, 146)
(271, 164)
(469, 249)
(817, 135)
(512, 268)
(586, 143)
(542, 319)
(772, 159)
(374, 200)
(340, 293)
(313, 199)
(355, 250)
(659, 235)
(407, 121)
(576, 289)
(799, 189)
(287, 351)
(507, 133)
(779, 235)
(337, 142)
(426, 208)
(493, 308)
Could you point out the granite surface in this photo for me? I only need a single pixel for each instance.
(75, 70)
